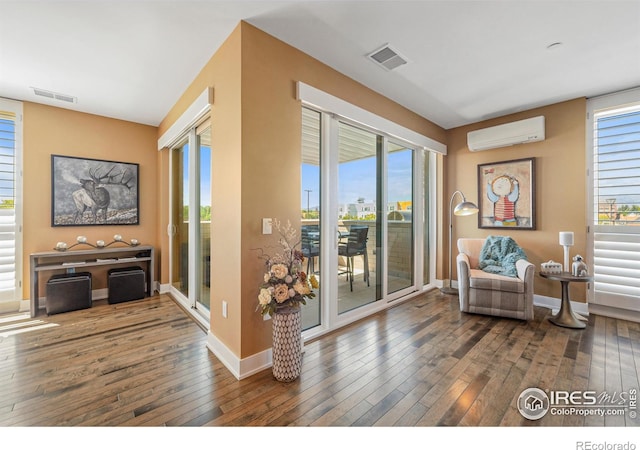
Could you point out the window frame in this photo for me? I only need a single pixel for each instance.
(597, 106)
(334, 110)
(16, 107)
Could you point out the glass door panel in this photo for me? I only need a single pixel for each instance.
(191, 220)
(310, 211)
(400, 244)
(358, 203)
(204, 224)
(426, 207)
(180, 219)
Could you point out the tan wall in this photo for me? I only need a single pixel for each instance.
(222, 72)
(48, 130)
(561, 198)
(271, 138)
(257, 143)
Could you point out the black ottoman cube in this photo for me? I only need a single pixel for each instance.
(126, 284)
(68, 292)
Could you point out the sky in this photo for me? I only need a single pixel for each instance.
(6, 159)
(358, 179)
(618, 138)
(205, 176)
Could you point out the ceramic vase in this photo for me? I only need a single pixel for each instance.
(286, 347)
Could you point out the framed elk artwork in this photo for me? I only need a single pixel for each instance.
(93, 192)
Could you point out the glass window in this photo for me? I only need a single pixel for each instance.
(310, 210)
(9, 188)
(616, 206)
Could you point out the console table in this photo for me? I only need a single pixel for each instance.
(73, 259)
(566, 317)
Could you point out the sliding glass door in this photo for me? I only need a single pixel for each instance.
(180, 222)
(358, 199)
(203, 225)
(191, 220)
(358, 275)
(399, 215)
(310, 242)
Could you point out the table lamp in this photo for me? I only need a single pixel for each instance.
(566, 240)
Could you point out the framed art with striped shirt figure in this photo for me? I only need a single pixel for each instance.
(506, 194)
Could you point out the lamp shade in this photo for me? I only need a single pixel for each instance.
(566, 238)
(465, 209)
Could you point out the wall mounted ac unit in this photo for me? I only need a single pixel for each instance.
(520, 132)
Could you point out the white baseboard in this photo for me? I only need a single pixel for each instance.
(615, 313)
(96, 294)
(10, 306)
(164, 288)
(240, 368)
(553, 304)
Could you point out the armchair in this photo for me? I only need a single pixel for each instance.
(492, 294)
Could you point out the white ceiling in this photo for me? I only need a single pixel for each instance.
(468, 60)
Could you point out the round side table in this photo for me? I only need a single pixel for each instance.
(566, 317)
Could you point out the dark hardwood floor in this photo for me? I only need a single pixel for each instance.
(419, 364)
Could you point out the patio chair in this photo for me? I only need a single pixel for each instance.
(356, 245)
(310, 240)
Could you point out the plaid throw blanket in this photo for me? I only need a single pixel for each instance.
(499, 255)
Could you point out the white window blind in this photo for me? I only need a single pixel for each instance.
(8, 218)
(616, 207)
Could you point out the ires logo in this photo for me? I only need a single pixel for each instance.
(535, 403)
(575, 398)
(589, 398)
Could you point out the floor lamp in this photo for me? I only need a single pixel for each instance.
(463, 208)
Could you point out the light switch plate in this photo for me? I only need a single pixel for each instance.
(266, 226)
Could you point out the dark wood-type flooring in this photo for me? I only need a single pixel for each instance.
(421, 363)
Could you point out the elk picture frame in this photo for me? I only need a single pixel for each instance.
(87, 191)
(507, 194)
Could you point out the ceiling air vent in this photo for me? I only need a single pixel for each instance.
(55, 96)
(387, 57)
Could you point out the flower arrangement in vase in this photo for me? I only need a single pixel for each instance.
(285, 284)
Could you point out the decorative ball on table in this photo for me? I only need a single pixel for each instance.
(80, 240)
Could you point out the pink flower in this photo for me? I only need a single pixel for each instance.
(279, 271)
(301, 288)
(281, 293)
